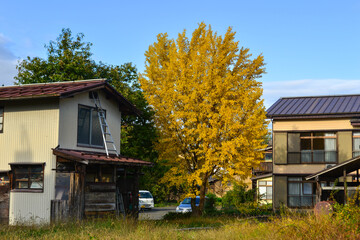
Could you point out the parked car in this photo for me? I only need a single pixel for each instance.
(185, 205)
(146, 200)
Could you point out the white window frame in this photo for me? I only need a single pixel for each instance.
(267, 186)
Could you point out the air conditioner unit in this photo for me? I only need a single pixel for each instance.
(329, 166)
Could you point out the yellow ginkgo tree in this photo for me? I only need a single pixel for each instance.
(208, 108)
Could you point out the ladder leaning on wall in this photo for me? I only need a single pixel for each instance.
(105, 130)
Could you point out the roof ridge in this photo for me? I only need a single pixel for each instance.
(322, 96)
(48, 83)
(341, 105)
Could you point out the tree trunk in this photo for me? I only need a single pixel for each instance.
(199, 210)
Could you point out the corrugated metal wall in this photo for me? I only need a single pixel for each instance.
(30, 131)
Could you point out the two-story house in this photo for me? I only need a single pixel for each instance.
(316, 141)
(53, 152)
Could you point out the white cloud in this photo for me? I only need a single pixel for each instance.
(8, 62)
(308, 87)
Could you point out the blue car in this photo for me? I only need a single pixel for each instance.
(185, 205)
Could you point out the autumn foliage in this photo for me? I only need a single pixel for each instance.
(208, 107)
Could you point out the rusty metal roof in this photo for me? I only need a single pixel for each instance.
(63, 90)
(316, 107)
(96, 157)
(48, 89)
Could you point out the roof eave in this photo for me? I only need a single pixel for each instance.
(315, 116)
(30, 97)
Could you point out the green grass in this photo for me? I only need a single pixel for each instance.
(290, 226)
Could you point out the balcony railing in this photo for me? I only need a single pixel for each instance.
(265, 167)
(315, 156)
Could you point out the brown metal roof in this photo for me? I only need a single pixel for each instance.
(63, 90)
(48, 89)
(316, 107)
(96, 157)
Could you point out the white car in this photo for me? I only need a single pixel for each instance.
(146, 200)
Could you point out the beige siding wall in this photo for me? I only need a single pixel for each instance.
(69, 120)
(280, 148)
(279, 191)
(298, 168)
(30, 131)
(311, 125)
(344, 145)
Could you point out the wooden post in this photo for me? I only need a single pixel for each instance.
(125, 195)
(136, 194)
(115, 177)
(318, 190)
(82, 193)
(345, 186)
(76, 192)
(71, 194)
(357, 191)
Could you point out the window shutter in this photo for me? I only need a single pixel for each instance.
(280, 148)
(293, 147)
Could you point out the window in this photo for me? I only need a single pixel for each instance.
(265, 190)
(356, 144)
(312, 147)
(1, 119)
(89, 131)
(28, 177)
(301, 193)
(268, 156)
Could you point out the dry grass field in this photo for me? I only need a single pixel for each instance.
(291, 226)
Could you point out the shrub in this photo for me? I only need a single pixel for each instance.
(349, 214)
(210, 202)
(234, 198)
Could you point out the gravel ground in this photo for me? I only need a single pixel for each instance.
(155, 213)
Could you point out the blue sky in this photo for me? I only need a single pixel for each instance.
(310, 47)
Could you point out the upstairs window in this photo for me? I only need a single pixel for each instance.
(312, 147)
(89, 131)
(28, 177)
(1, 119)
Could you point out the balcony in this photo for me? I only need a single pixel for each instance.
(265, 167)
